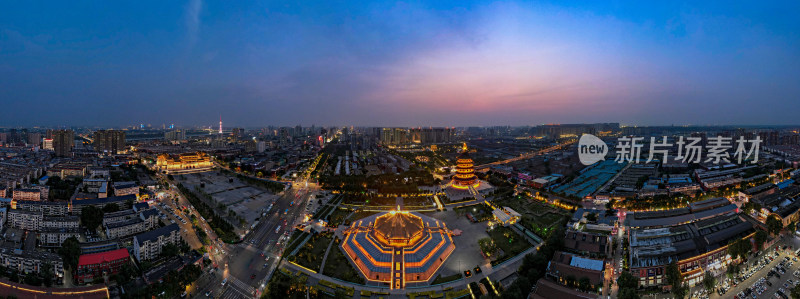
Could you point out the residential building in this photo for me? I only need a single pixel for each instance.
(109, 141)
(121, 201)
(150, 218)
(3, 217)
(63, 142)
(25, 220)
(53, 237)
(47, 144)
(30, 261)
(32, 194)
(118, 216)
(125, 228)
(175, 135)
(59, 222)
(125, 188)
(149, 244)
(48, 208)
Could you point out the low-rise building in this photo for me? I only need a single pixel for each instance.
(696, 211)
(697, 247)
(32, 194)
(150, 218)
(587, 243)
(564, 265)
(546, 289)
(78, 205)
(141, 206)
(99, 172)
(125, 228)
(757, 192)
(25, 220)
(61, 222)
(53, 237)
(94, 266)
(48, 208)
(126, 188)
(149, 244)
(119, 216)
(506, 216)
(784, 204)
(30, 261)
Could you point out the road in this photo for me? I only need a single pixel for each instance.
(257, 255)
(527, 155)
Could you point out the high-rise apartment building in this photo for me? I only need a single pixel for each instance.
(109, 141)
(237, 134)
(63, 142)
(175, 135)
(47, 144)
(35, 139)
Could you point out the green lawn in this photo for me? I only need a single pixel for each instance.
(417, 201)
(509, 241)
(338, 217)
(337, 266)
(311, 254)
(322, 212)
(439, 279)
(297, 237)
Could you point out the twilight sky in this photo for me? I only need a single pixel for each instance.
(433, 63)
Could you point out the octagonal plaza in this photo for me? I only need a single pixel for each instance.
(398, 247)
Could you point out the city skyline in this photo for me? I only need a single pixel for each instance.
(398, 64)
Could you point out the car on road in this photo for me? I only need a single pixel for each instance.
(208, 293)
(224, 281)
(253, 276)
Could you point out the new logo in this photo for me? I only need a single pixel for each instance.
(591, 149)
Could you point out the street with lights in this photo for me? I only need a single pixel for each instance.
(242, 270)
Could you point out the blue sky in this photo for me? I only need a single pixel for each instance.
(412, 63)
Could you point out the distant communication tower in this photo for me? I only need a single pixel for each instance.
(220, 123)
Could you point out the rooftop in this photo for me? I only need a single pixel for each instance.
(101, 257)
(154, 234)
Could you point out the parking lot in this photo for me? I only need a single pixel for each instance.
(771, 274)
(244, 200)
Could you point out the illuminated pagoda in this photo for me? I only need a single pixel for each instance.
(398, 247)
(465, 171)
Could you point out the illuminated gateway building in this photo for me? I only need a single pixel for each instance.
(398, 247)
(184, 163)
